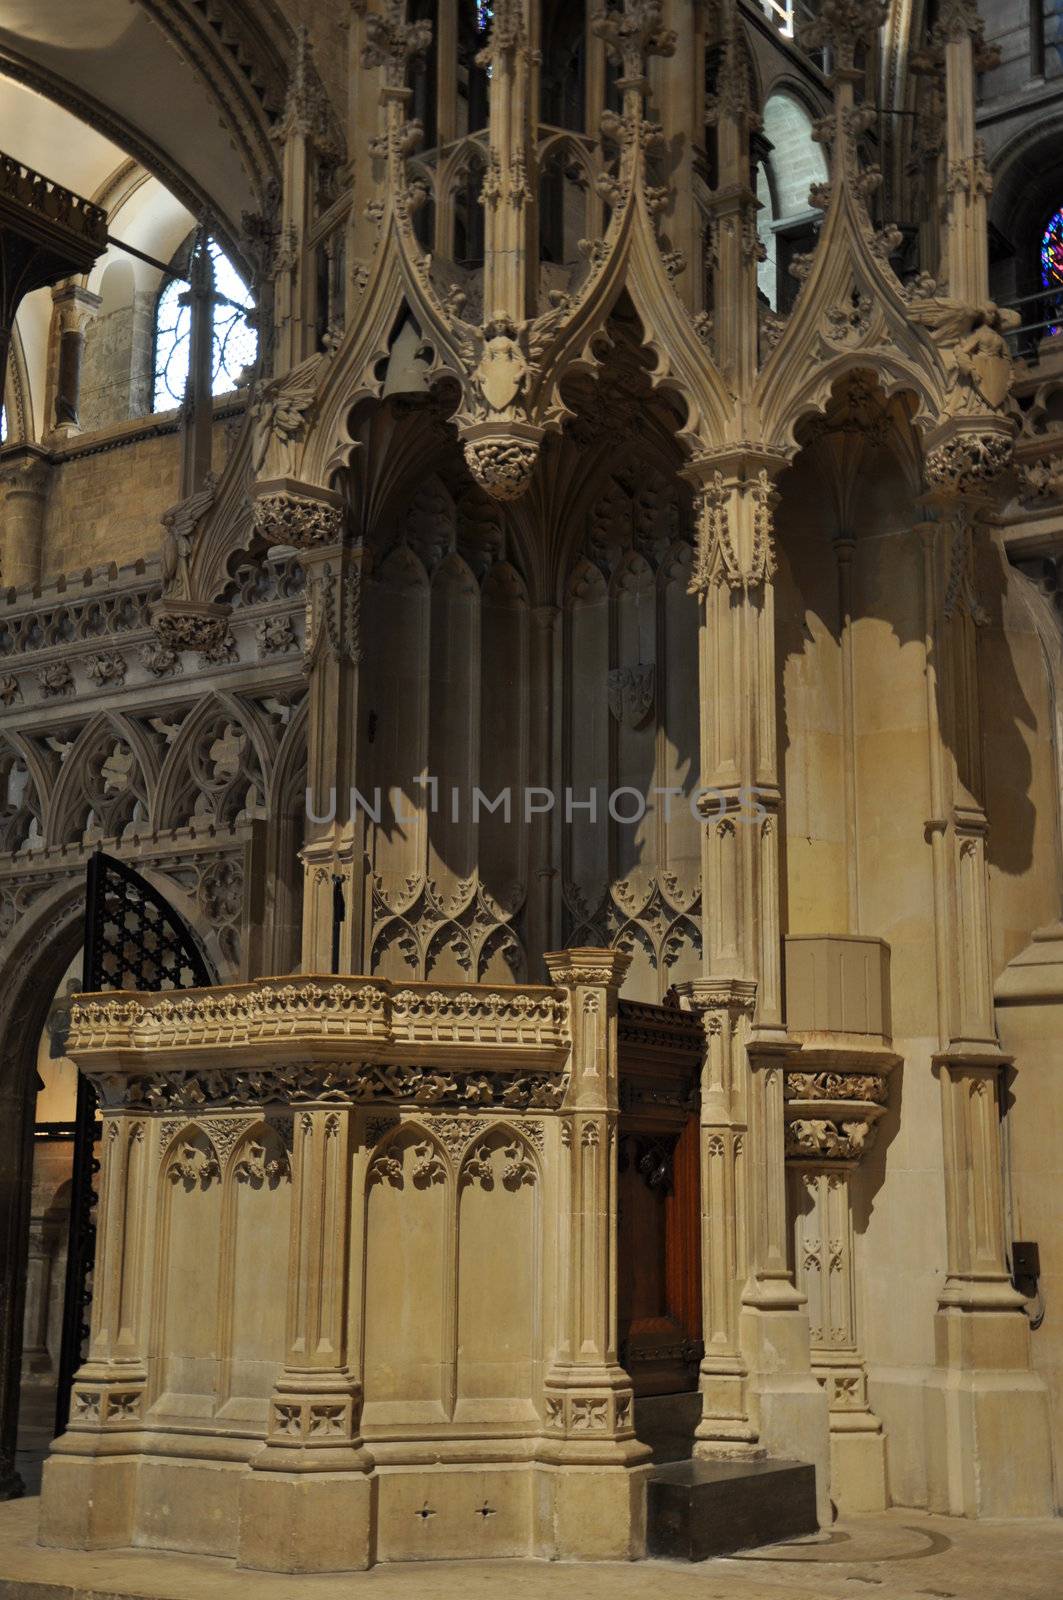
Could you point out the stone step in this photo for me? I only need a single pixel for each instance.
(698, 1509)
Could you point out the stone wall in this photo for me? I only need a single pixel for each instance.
(105, 499)
(116, 372)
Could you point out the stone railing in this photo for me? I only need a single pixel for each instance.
(356, 1242)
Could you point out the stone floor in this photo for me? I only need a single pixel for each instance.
(902, 1555)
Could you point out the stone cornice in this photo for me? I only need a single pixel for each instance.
(343, 1027)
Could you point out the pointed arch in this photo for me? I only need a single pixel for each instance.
(219, 763)
(113, 785)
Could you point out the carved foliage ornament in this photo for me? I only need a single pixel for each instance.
(392, 42)
(287, 518)
(501, 464)
(723, 554)
(633, 33)
(845, 25)
(818, 1137)
(851, 1104)
(343, 1083)
(968, 459)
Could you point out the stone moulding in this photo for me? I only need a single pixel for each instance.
(351, 1039)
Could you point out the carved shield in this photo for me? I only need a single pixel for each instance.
(502, 372)
(992, 373)
(631, 694)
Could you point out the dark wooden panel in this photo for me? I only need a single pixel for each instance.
(659, 1287)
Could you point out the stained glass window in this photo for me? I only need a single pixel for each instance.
(1052, 265)
(235, 340)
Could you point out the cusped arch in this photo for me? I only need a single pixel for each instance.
(430, 1164)
(189, 1159)
(259, 1158)
(894, 376)
(112, 784)
(521, 1163)
(585, 585)
(205, 764)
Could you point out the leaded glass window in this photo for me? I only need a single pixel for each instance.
(1052, 265)
(235, 340)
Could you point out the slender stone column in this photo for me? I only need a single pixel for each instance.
(845, 549)
(758, 1391)
(987, 1395)
(678, 84)
(36, 1360)
(831, 1117)
(506, 194)
(75, 307)
(968, 183)
(726, 1008)
(589, 1435)
(543, 921)
(197, 411)
(24, 479)
(307, 1504)
(88, 1494)
(312, 519)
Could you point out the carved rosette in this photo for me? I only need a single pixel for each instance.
(831, 1115)
(110, 1405)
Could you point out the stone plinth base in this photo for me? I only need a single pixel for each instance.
(989, 1433)
(88, 1502)
(307, 1522)
(858, 1471)
(698, 1509)
(342, 1521)
(593, 1514)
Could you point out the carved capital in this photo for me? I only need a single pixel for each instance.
(25, 473)
(191, 625)
(75, 306)
(571, 968)
(734, 529)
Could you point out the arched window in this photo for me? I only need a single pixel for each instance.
(787, 223)
(235, 340)
(1052, 267)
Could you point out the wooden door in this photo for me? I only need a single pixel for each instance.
(659, 1252)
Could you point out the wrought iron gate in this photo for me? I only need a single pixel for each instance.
(134, 939)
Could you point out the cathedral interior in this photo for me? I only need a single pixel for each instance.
(531, 762)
